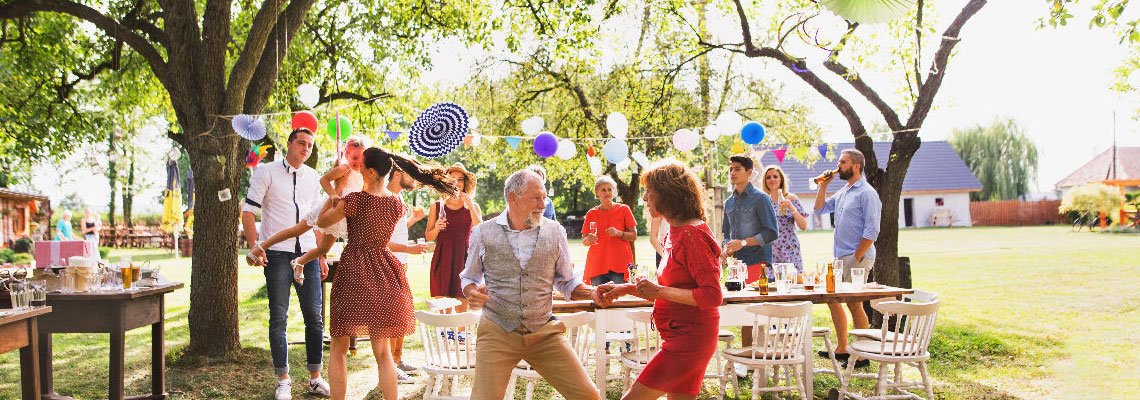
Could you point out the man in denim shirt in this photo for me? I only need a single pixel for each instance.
(749, 226)
(857, 211)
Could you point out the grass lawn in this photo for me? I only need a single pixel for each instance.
(1036, 312)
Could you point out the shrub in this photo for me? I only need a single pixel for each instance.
(1092, 198)
(103, 251)
(7, 255)
(22, 259)
(22, 245)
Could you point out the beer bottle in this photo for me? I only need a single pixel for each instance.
(830, 277)
(763, 283)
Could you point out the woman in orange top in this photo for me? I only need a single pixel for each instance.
(608, 230)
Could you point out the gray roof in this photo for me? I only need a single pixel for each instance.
(1097, 169)
(934, 168)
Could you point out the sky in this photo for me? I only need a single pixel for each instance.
(1055, 83)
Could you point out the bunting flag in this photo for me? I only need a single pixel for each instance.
(737, 148)
(800, 152)
(394, 134)
(823, 151)
(780, 153)
(513, 141)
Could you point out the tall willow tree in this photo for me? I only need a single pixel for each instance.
(213, 59)
(1001, 156)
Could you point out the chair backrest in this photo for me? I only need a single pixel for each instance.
(443, 305)
(779, 329)
(645, 335)
(579, 333)
(908, 327)
(448, 339)
(920, 296)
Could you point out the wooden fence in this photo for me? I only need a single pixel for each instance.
(1015, 212)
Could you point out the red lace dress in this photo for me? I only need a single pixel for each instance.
(370, 292)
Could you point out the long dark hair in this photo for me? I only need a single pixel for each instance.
(382, 162)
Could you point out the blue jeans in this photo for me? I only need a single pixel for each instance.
(278, 280)
(615, 277)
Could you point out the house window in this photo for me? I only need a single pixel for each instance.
(938, 201)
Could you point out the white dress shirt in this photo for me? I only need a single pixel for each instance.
(281, 194)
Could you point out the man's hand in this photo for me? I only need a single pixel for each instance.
(598, 298)
(476, 295)
(417, 248)
(256, 256)
(733, 246)
(618, 290)
(324, 270)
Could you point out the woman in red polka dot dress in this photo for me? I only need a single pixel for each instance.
(370, 293)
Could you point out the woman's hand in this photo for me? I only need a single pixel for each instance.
(614, 232)
(589, 240)
(648, 290)
(611, 291)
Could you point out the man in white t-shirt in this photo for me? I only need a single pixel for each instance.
(398, 181)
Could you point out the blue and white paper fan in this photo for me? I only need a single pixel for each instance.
(249, 127)
(438, 130)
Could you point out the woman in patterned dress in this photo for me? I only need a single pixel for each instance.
(687, 293)
(789, 215)
(370, 293)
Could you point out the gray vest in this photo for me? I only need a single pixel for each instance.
(519, 296)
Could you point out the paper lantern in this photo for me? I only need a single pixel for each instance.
(249, 127)
(869, 11)
(345, 127)
(617, 124)
(752, 132)
(304, 119)
(309, 94)
(685, 140)
(616, 150)
(566, 149)
(729, 121)
(595, 165)
(545, 144)
(641, 159)
(533, 125)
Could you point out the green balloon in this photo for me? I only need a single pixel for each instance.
(345, 128)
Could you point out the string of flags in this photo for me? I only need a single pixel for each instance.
(441, 128)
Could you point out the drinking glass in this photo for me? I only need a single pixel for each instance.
(594, 229)
(809, 280)
(39, 292)
(20, 293)
(858, 276)
(838, 271)
(125, 273)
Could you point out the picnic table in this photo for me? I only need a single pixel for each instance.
(19, 329)
(732, 313)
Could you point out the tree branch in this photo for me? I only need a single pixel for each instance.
(270, 64)
(211, 57)
(114, 29)
(242, 73)
(745, 30)
(346, 95)
(813, 80)
(867, 92)
(938, 68)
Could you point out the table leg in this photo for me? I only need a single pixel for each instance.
(30, 363)
(115, 378)
(601, 359)
(158, 360)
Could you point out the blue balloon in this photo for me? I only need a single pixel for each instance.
(752, 132)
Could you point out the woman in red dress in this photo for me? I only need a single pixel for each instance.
(370, 293)
(687, 295)
(449, 224)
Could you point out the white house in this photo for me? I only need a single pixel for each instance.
(938, 182)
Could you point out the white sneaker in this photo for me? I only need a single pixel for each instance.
(319, 386)
(403, 377)
(284, 390)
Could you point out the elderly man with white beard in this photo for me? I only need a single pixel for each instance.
(513, 264)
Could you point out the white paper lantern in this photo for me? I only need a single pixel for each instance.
(533, 125)
(618, 125)
(309, 94)
(566, 149)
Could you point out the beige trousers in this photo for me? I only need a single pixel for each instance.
(546, 350)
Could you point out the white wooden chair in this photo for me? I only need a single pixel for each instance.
(447, 355)
(778, 330)
(824, 333)
(918, 296)
(646, 344)
(578, 332)
(443, 305)
(906, 343)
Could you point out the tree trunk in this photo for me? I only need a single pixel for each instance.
(112, 178)
(129, 193)
(889, 186)
(213, 316)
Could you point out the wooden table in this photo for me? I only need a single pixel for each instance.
(732, 313)
(19, 329)
(113, 312)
